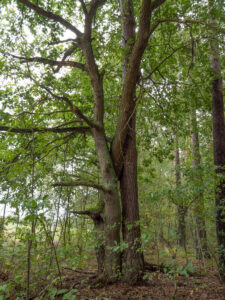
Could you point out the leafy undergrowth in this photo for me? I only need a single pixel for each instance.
(81, 284)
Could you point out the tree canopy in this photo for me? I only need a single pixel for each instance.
(99, 98)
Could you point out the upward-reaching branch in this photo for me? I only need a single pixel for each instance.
(51, 16)
(95, 4)
(128, 104)
(92, 68)
(156, 4)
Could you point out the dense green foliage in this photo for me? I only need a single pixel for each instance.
(37, 222)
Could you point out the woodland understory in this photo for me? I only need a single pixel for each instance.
(112, 157)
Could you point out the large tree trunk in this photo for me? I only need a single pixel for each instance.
(112, 206)
(200, 231)
(181, 209)
(108, 175)
(132, 260)
(219, 151)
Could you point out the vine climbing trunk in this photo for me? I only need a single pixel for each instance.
(132, 260)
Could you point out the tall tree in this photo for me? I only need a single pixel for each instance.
(218, 142)
(132, 260)
(181, 209)
(111, 161)
(200, 232)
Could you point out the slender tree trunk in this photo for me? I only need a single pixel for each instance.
(132, 261)
(219, 151)
(2, 220)
(200, 231)
(181, 209)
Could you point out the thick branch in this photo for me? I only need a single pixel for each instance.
(83, 212)
(50, 62)
(54, 129)
(51, 16)
(83, 183)
(94, 215)
(156, 4)
(128, 105)
(84, 8)
(87, 212)
(95, 4)
(80, 115)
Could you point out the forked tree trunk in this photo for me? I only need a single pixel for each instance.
(181, 209)
(107, 162)
(132, 260)
(219, 151)
(200, 231)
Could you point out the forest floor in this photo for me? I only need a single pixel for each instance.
(157, 286)
(80, 284)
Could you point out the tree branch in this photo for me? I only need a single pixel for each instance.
(83, 183)
(94, 215)
(67, 53)
(84, 7)
(45, 114)
(74, 109)
(61, 98)
(42, 130)
(62, 41)
(128, 101)
(156, 4)
(50, 62)
(90, 123)
(51, 16)
(87, 212)
(95, 4)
